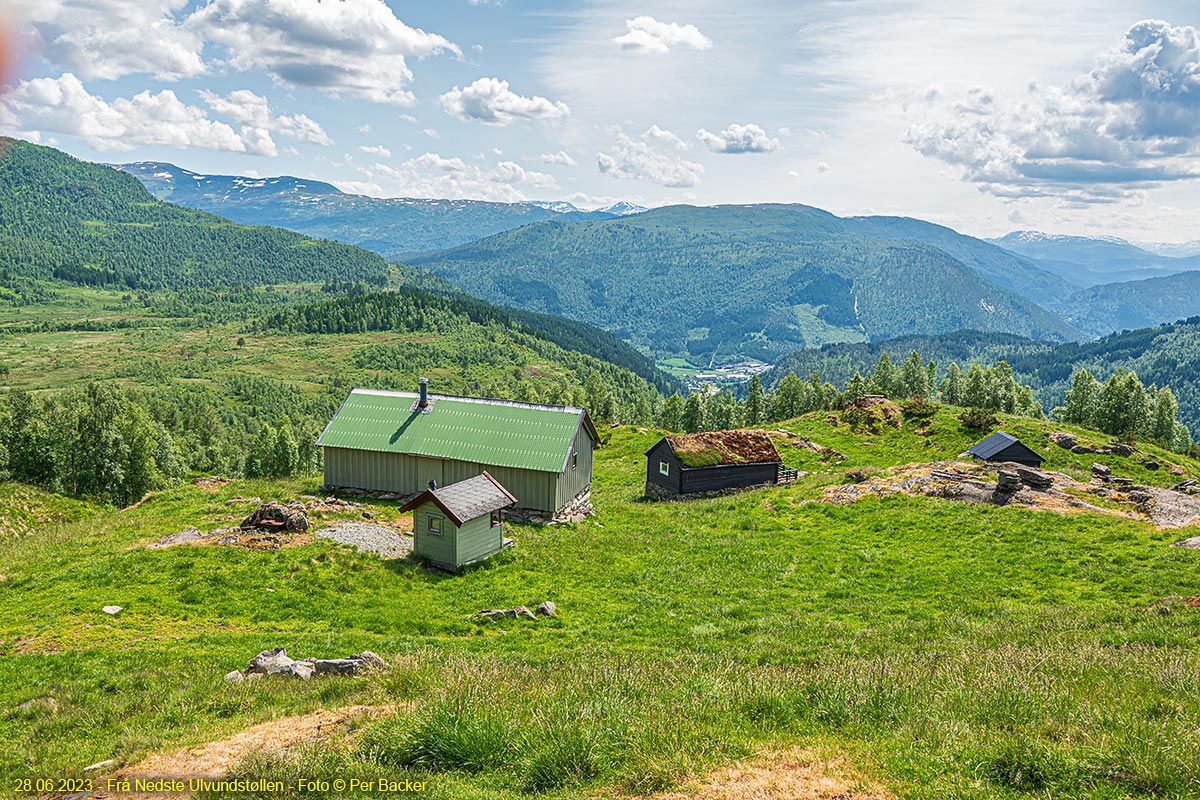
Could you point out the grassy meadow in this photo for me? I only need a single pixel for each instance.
(947, 650)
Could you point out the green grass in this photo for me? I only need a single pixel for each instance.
(949, 650)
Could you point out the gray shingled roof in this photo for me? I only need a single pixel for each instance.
(467, 499)
(996, 443)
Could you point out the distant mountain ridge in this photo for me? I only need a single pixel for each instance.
(393, 227)
(1088, 261)
(758, 280)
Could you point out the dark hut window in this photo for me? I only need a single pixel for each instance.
(435, 525)
(664, 468)
(574, 460)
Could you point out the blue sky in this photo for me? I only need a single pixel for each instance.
(1060, 115)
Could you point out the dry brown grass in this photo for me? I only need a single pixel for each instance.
(797, 774)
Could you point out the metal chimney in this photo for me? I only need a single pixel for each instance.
(424, 393)
(432, 485)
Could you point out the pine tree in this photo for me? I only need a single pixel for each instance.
(856, 387)
(755, 412)
(914, 379)
(883, 379)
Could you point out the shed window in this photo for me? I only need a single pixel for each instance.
(495, 519)
(435, 525)
(574, 459)
(664, 468)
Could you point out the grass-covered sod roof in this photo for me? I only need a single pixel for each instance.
(713, 448)
(493, 432)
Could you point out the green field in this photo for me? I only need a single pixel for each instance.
(946, 650)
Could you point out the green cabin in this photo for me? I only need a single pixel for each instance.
(383, 441)
(461, 523)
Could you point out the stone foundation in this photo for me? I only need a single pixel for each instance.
(657, 492)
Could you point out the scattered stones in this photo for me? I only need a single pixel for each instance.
(276, 517)
(1121, 449)
(1064, 440)
(237, 498)
(182, 537)
(1151, 464)
(856, 476)
(112, 610)
(277, 662)
(1101, 471)
(544, 609)
(211, 481)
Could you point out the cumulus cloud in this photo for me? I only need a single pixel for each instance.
(642, 159)
(250, 109)
(648, 35)
(1128, 125)
(107, 39)
(490, 101)
(562, 158)
(432, 175)
(63, 105)
(738, 139)
(351, 48)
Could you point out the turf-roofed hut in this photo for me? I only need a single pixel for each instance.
(380, 441)
(699, 463)
(459, 524)
(1003, 447)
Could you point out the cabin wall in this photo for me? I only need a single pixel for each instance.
(571, 482)
(1018, 454)
(438, 549)
(404, 474)
(477, 539)
(672, 483)
(726, 476)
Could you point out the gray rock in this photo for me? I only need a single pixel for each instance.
(112, 610)
(1101, 470)
(277, 662)
(234, 677)
(1193, 543)
(182, 537)
(522, 611)
(548, 609)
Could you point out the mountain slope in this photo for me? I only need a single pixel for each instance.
(1136, 304)
(1003, 268)
(736, 280)
(88, 224)
(394, 227)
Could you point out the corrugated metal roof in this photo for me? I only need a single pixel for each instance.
(993, 444)
(489, 432)
(467, 499)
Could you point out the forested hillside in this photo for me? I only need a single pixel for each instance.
(1135, 304)
(393, 227)
(1164, 355)
(717, 282)
(83, 223)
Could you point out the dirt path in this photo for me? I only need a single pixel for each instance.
(215, 759)
(798, 774)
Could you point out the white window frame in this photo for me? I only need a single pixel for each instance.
(433, 524)
(664, 468)
(574, 460)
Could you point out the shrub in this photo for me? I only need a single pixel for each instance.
(978, 419)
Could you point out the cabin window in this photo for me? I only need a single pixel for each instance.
(664, 468)
(435, 525)
(574, 460)
(495, 519)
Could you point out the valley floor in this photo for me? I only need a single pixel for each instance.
(894, 647)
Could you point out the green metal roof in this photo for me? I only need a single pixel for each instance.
(488, 432)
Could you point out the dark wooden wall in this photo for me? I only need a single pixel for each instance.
(726, 476)
(663, 452)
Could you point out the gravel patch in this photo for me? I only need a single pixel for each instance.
(370, 538)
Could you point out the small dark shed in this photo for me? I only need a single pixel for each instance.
(461, 523)
(1004, 447)
(697, 463)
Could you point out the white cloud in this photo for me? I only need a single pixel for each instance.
(648, 35)
(823, 167)
(431, 133)
(738, 139)
(247, 108)
(562, 157)
(639, 159)
(350, 48)
(63, 105)
(376, 150)
(432, 175)
(1130, 124)
(490, 101)
(107, 39)
(363, 129)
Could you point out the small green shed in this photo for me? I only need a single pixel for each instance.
(461, 523)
